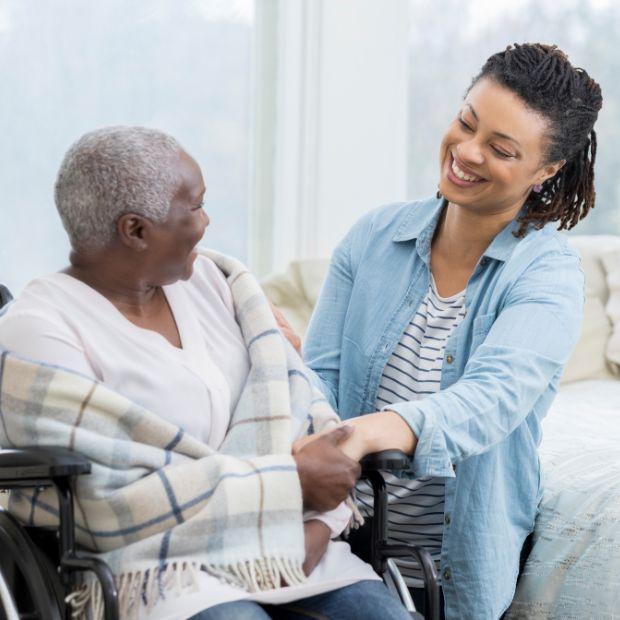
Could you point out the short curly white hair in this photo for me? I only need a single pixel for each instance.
(112, 171)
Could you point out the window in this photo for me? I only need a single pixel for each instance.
(69, 66)
(449, 43)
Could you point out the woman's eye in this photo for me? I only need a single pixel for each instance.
(502, 153)
(464, 125)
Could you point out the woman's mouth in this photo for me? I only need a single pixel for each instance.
(461, 176)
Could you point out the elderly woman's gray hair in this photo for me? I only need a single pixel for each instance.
(112, 171)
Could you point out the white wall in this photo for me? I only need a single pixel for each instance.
(341, 120)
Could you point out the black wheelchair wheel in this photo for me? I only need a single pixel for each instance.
(30, 576)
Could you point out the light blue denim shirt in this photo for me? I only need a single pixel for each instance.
(524, 305)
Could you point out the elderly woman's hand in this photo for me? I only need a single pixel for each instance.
(316, 537)
(326, 474)
(287, 331)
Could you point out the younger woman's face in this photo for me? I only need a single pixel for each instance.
(492, 153)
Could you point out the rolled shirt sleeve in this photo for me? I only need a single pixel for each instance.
(526, 347)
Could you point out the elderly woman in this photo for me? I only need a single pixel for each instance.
(176, 333)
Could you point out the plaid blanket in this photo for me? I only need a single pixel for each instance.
(160, 504)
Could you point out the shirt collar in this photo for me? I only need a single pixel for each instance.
(421, 221)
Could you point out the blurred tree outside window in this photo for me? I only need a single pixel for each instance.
(70, 66)
(449, 42)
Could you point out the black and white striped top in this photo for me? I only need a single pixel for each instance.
(416, 507)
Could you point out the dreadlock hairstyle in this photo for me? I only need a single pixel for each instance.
(569, 99)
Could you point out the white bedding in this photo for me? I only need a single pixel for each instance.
(574, 568)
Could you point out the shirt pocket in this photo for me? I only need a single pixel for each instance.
(480, 328)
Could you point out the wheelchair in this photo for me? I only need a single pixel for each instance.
(39, 566)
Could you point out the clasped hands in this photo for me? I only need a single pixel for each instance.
(328, 462)
(328, 467)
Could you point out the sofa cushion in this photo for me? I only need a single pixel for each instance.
(588, 358)
(611, 261)
(592, 248)
(296, 291)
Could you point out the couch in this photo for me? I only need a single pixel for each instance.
(573, 570)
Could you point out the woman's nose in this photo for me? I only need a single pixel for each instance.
(469, 152)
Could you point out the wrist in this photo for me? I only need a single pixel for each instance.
(385, 430)
(319, 528)
(399, 431)
(368, 433)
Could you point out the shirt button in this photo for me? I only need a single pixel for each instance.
(447, 519)
(449, 359)
(447, 575)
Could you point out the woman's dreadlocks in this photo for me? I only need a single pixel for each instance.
(542, 76)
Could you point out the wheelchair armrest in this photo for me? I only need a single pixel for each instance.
(393, 460)
(25, 465)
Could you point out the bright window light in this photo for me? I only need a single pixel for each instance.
(451, 39)
(69, 66)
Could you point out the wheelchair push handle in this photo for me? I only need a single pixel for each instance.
(27, 465)
(393, 460)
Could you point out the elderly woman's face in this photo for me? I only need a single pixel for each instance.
(172, 245)
(492, 152)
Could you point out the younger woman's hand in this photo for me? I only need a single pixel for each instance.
(373, 432)
(286, 329)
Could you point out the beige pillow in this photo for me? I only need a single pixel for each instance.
(611, 262)
(588, 359)
(591, 248)
(297, 290)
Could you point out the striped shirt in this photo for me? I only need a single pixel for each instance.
(416, 507)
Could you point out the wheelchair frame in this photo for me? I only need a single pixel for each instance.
(48, 582)
(40, 468)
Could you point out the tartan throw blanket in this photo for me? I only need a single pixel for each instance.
(161, 505)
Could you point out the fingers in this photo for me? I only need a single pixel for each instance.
(285, 328)
(299, 444)
(293, 338)
(339, 434)
(277, 313)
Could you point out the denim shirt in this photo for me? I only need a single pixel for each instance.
(501, 366)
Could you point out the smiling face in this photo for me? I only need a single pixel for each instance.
(493, 151)
(171, 244)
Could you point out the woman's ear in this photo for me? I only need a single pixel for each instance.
(549, 171)
(132, 231)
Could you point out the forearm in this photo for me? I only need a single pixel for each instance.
(317, 536)
(374, 432)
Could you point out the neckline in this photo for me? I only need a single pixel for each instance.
(125, 323)
(446, 300)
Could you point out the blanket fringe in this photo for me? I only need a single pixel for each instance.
(151, 585)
